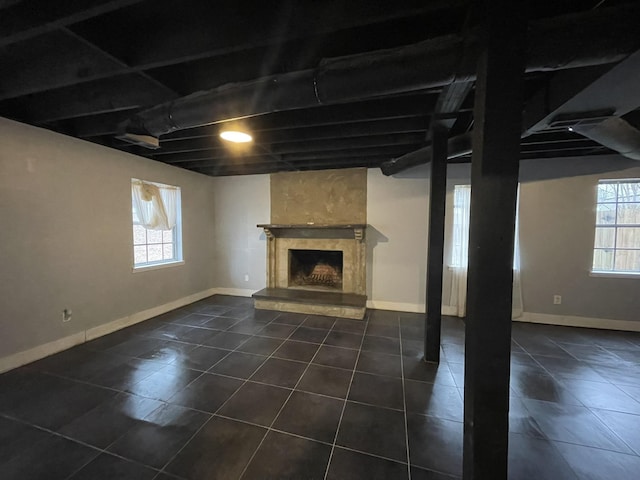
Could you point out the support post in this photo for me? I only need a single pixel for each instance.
(435, 253)
(494, 182)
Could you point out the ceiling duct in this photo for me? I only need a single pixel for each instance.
(614, 133)
(585, 39)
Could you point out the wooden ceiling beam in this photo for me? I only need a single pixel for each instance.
(400, 106)
(101, 96)
(28, 19)
(273, 166)
(196, 39)
(292, 157)
(98, 125)
(326, 133)
(350, 143)
(211, 145)
(59, 60)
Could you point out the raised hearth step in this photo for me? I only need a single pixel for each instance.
(312, 296)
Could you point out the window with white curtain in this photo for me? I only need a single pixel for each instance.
(461, 206)
(460, 254)
(156, 212)
(617, 239)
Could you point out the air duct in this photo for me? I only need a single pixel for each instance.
(614, 133)
(579, 40)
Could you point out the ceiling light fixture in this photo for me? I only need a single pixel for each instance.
(236, 136)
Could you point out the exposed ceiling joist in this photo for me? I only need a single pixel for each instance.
(429, 64)
(30, 18)
(571, 98)
(101, 96)
(82, 67)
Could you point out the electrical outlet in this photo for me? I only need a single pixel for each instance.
(557, 299)
(246, 277)
(66, 315)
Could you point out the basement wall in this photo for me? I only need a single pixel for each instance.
(66, 241)
(557, 229)
(240, 248)
(557, 212)
(66, 236)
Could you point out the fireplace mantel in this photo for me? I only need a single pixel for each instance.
(314, 230)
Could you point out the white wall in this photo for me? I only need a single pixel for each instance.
(557, 219)
(557, 228)
(557, 214)
(65, 211)
(240, 203)
(397, 214)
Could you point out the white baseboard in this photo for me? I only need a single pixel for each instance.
(562, 320)
(120, 323)
(408, 307)
(397, 306)
(586, 322)
(36, 353)
(27, 356)
(238, 292)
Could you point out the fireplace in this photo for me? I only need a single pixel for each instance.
(315, 269)
(316, 251)
(318, 269)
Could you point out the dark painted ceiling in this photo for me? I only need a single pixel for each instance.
(82, 68)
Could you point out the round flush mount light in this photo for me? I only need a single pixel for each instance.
(236, 136)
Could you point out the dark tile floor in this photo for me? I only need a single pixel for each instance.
(218, 390)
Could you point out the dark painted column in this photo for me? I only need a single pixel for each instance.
(494, 183)
(435, 253)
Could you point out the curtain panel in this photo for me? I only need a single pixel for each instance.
(156, 205)
(460, 254)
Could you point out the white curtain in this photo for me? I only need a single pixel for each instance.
(516, 297)
(460, 254)
(155, 205)
(460, 251)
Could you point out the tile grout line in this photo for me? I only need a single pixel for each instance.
(99, 450)
(118, 393)
(162, 470)
(582, 404)
(404, 401)
(105, 449)
(346, 399)
(159, 472)
(269, 428)
(284, 432)
(164, 404)
(248, 379)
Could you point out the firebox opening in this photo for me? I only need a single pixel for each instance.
(316, 269)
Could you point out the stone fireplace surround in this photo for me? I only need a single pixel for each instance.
(317, 210)
(348, 239)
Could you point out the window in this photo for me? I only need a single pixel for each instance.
(461, 213)
(461, 206)
(156, 223)
(460, 254)
(617, 240)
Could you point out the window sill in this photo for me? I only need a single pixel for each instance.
(615, 274)
(158, 266)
